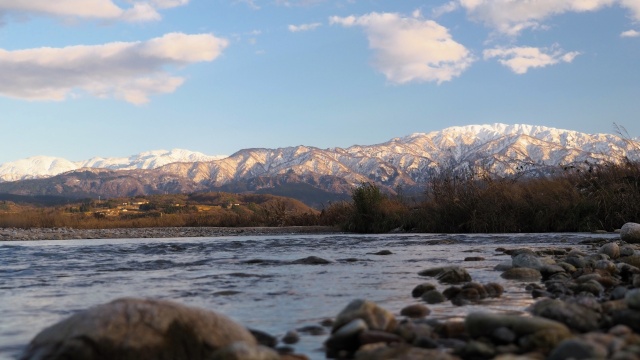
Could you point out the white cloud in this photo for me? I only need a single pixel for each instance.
(409, 49)
(630, 33)
(513, 16)
(126, 70)
(304, 27)
(521, 59)
(90, 9)
(451, 6)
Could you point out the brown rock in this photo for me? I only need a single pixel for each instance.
(132, 328)
(374, 316)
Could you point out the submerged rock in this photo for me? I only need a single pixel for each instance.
(448, 274)
(132, 328)
(522, 274)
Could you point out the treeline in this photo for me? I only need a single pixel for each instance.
(181, 210)
(593, 197)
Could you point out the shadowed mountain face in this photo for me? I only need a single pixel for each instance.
(319, 175)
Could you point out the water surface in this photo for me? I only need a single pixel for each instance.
(45, 281)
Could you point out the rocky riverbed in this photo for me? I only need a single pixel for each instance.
(17, 234)
(585, 305)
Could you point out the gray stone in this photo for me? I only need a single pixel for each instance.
(534, 332)
(291, 337)
(526, 260)
(503, 266)
(132, 328)
(575, 316)
(627, 250)
(630, 232)
(433, 297)
(632, 298)
(448, 274)
(311, 260)
(578, 349)
(421, 289)
(522, 274)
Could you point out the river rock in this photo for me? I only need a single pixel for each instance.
(533, 332)
(573, 315)
(419, 290)
(402, 352)
(630, 232)
(632, 298)
(374, 316)
(578, 349)
(415, 311)
(312, 260)
(628, 317)
(448, 274)
(244, 351)
(131, 328)
(633, 260)
(433, 297)
(291, 337)
(611, 249)
(527, 260)
(522, 274)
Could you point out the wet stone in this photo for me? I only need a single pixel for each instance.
(421, 289)
(433, 297)
(415, 311)
(522, 274)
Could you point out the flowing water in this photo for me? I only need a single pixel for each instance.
(249, 278)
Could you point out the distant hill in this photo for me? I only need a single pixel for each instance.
(317, 176)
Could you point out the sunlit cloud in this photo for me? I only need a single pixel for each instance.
(304, 27)
(89, 9)
(512, 17)
(131, 71)
(630, 33)
(521, 59)
(410, 49)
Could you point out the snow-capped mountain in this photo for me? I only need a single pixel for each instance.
(408, 162)
(46, 166)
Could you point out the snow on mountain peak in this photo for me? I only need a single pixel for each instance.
(45, 166)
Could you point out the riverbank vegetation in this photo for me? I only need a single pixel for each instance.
(216, 209)
(585, 198)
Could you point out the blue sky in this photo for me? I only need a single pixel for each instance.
(85, 78)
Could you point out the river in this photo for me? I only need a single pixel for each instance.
(249, 278)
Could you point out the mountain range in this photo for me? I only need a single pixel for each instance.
(314, 175)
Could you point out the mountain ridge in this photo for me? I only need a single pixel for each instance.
(403, 162)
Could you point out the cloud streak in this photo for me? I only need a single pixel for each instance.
(304, 27)
(512, 17)
(131, 71)
(410, 49)
(521, 59)
(89, 9)
(630, 34)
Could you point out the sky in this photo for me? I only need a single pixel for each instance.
(87, 78)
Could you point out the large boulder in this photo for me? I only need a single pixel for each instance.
(130, 328)
(630, 232)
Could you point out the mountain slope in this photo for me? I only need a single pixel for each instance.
(406, 162)
(46, 166)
